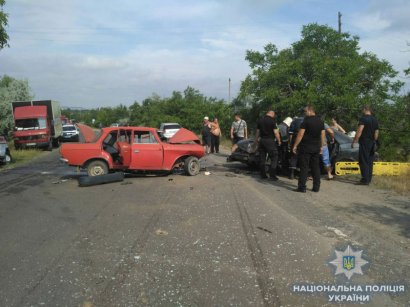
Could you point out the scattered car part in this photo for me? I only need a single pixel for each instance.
(86, 181)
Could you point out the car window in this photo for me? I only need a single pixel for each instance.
(111, 138)
(144, 137)
(172, 127)
(125, 136)
(69, 128)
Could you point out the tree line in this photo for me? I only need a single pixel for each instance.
(324, 68)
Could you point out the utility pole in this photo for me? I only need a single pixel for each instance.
(229, 90)
(339, 17)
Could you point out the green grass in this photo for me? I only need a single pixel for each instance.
(20, 157)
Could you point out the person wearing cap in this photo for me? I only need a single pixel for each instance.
(206, 134)
(284, 154)
(239, 131)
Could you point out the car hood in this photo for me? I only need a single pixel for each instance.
(87, 132)
(183, 136)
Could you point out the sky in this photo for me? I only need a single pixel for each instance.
(102, 53)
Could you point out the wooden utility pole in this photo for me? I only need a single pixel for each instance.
(229, 90)
(339, 17)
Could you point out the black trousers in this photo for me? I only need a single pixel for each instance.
(366, 159)
(214, 143)
(268, 146)
(293, 159)
(306, 160)
(284, 156)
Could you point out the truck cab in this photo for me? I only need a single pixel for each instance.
(36, 124)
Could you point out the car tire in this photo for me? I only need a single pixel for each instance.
(97, 168)
(9, 158)
(56, 143)
(50, 145)
(192, 166)
(87, 181)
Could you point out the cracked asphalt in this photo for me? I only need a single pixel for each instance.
(224, 239)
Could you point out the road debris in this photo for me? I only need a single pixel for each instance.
(230, 175)
(337, 232)
(207, 173)
(60, 181)
(161, 232)
(264, 229)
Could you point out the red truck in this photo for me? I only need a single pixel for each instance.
(37, 124)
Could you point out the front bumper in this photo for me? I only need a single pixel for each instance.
(31, 144)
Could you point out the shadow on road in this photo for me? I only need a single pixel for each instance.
(384, 215)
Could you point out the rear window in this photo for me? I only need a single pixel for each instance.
(172, 127)
(69, 128)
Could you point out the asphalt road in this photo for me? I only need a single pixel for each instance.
(224, 239)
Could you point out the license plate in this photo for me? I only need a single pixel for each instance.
(31, 144)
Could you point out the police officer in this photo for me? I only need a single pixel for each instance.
(284, 153)
(293, 132)
(368, 134)
(266, 133)
(311, 138)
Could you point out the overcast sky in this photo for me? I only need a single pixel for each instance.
(102, 53)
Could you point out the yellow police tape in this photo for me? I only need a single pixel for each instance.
(379, 168)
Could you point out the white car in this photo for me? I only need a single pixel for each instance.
(70, 133)
(167, 130)
(5, 156)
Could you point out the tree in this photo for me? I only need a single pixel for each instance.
(187, 108)
(323, 68)
(4, 38)
(11, 90)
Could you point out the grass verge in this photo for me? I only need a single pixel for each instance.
(20, 157)
(399, 184)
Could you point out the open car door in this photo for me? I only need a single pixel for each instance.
(124, 147)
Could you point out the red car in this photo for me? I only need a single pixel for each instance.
(134, 149)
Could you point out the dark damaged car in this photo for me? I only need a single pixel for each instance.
(341, 150)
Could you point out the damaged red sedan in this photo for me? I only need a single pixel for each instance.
(134, 149)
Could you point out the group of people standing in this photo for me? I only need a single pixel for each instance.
(305, 136)
(211, 135)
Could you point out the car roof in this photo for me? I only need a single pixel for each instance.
(69, 125)
(130, 128)
(163, 124)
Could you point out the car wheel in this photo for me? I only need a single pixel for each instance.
(56, 143)
(192, 166)
(8, 158)
(50, 145)
(97, 168)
